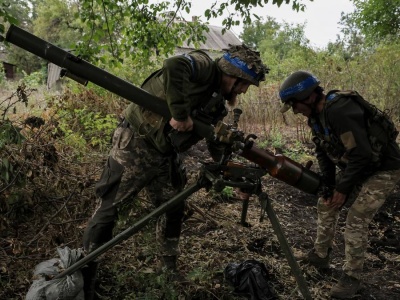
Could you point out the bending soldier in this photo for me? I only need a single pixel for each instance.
(359, 141)
(145, 149)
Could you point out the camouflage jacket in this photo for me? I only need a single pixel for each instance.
(187, 82)
(343, 140)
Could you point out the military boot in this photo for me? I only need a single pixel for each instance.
(312, 258)
(346, 288)
(89, 273)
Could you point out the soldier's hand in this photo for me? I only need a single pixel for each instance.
(186, 125)
(337, 200)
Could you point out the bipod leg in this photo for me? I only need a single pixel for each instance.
(133, 229)
(294, 266)
(245, 208)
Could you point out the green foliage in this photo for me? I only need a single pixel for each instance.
(352, 43)
(83, 128)
(56, 22)
(10, 138)
(83, 117)
(134, 71)
(6, 170)
(12, 12)
(135, 30)
(227, 192)
(376, 19)
(140, 30)
(19, 12)
(283, 46)
(34, 80)
(298, 152)
(9, 134)
(114, 33)
(255, 33)
(376, 75)
(241, 10)
(273, 139)
(276, 139)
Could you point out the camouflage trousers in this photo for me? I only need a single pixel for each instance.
(365, 200)
(133, 164)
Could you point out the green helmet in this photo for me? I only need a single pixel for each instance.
(297, 87)
(242, 62)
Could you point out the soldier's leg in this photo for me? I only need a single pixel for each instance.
(371, 197)
(122, 178)
(161, 189)
(327, 222)
(326, 226)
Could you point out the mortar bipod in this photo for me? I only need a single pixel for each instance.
(209, 178)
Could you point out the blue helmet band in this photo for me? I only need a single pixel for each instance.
(299, 87)
(240, 64)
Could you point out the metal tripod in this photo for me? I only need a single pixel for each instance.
(211, 176)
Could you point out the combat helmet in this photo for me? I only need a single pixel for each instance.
(297, 87)
(242, 62)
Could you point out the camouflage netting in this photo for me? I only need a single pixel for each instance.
(250, 57)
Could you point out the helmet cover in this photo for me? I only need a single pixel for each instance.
(297, 87)
(242, 62)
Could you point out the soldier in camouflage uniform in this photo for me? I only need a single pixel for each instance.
(145, 148)
(359, 141)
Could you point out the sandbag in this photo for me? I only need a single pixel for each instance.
(250, 279)
(66, 288)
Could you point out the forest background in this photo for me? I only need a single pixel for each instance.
(53, 144)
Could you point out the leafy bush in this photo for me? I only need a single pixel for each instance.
(82, 127)
(34, 80)
(83, 118)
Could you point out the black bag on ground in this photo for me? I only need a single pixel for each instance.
(250, 279)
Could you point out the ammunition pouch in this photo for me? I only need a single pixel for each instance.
(379, 138)
(381, 129)
(332, 148)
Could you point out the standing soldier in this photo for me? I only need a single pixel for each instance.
(359, 141)
(146, 146)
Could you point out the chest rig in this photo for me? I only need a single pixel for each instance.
(324, 139)
(380, 129)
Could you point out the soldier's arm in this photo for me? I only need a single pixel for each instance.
(176, 73)
(347, 120)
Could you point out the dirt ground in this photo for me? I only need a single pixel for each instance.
(297, 214)
(212, 238)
